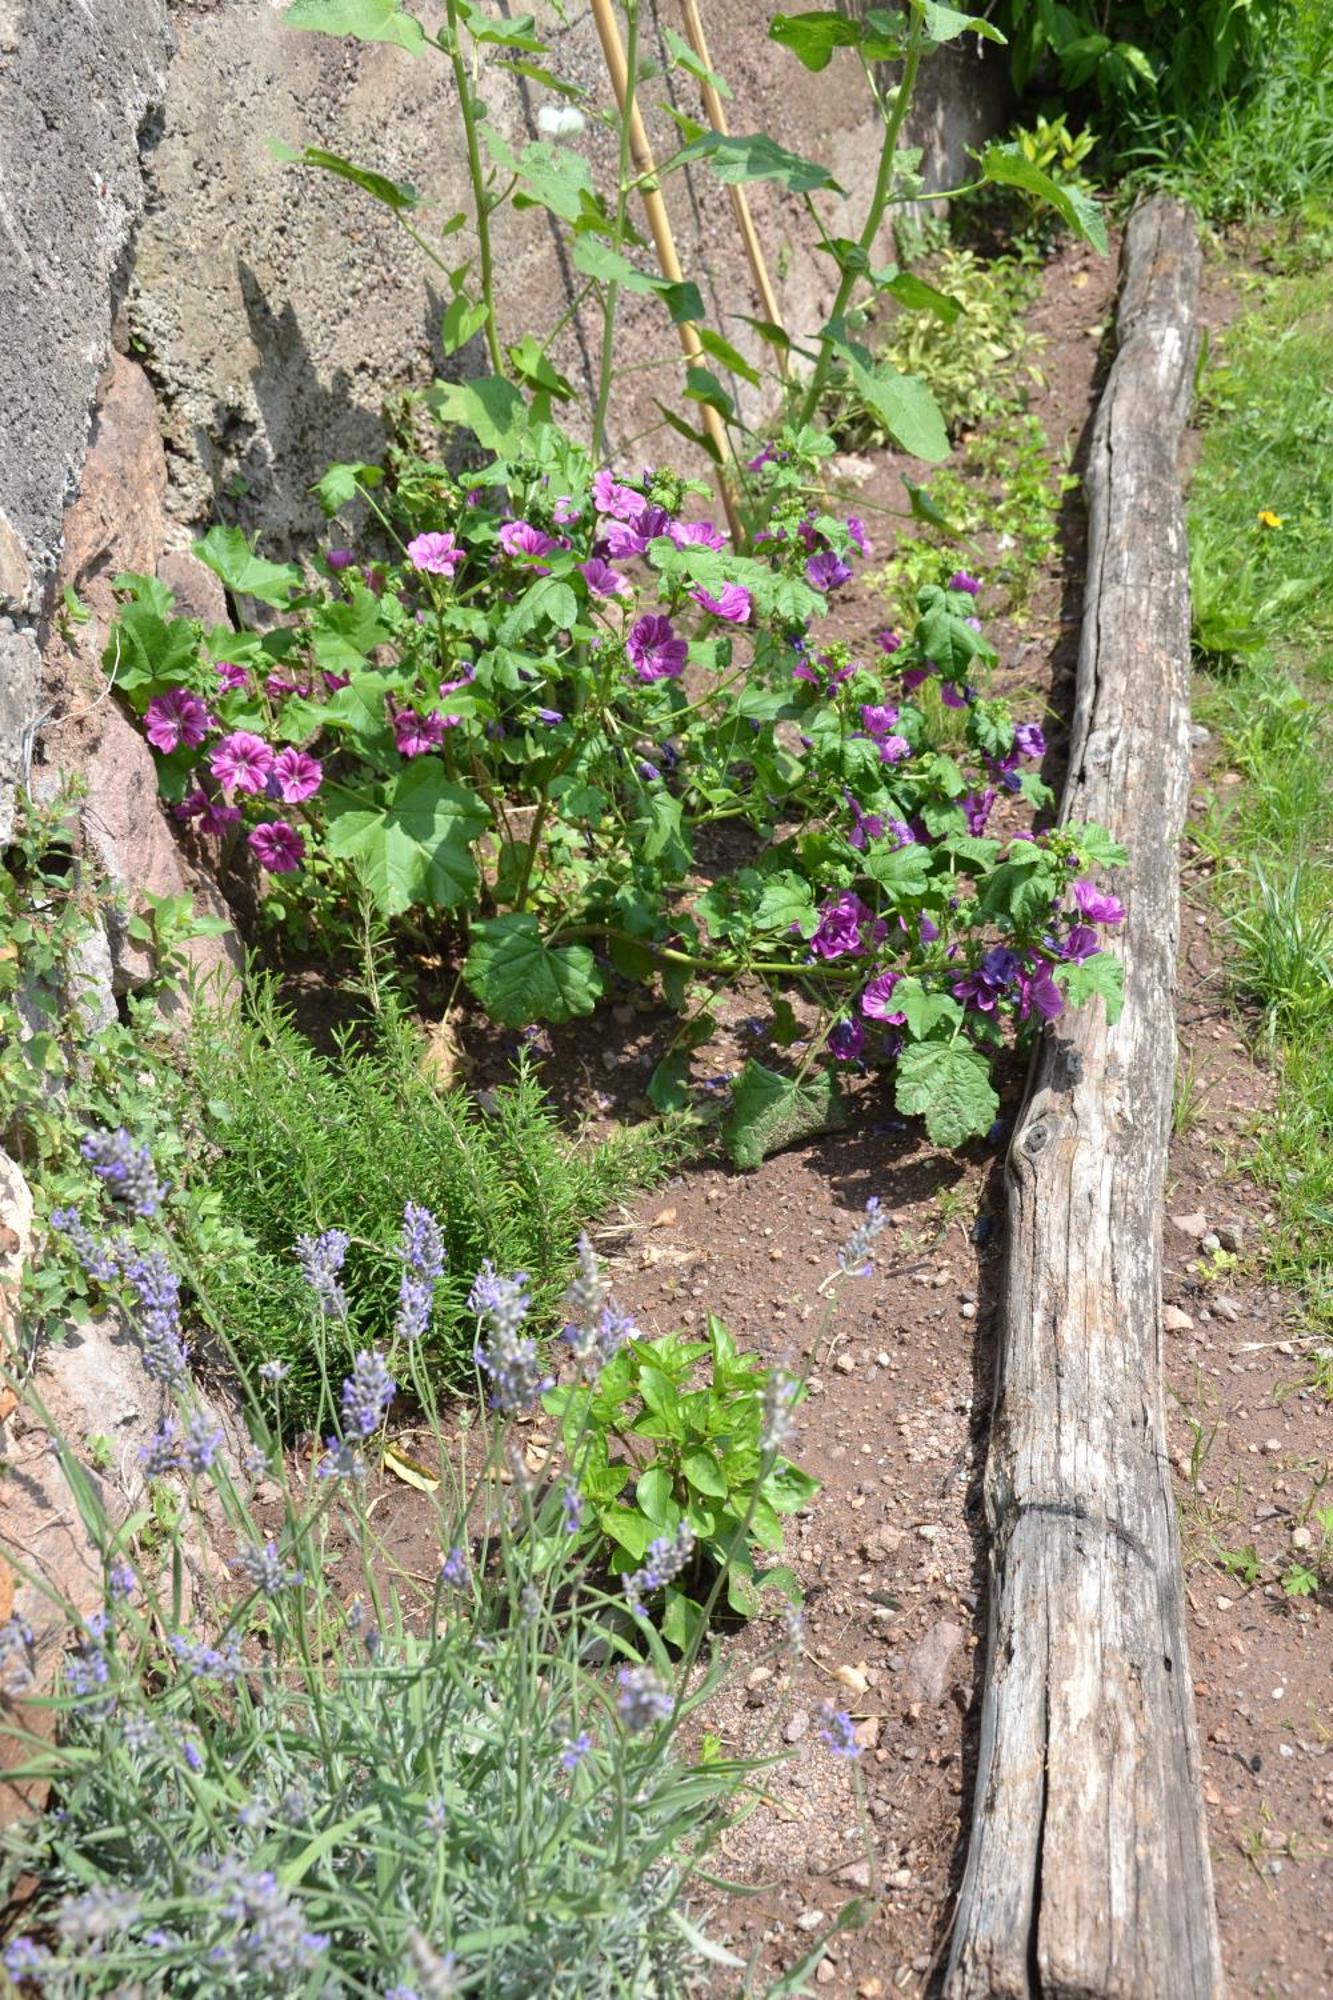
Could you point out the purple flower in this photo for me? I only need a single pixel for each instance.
(914, 676)
(520, 538)
(847, 1041)
(1081, 943)
(231, 678)
(574, 1752)
(856, 530)
(571, 1509)
(509, 1358)
(299, 776)
(453, 1568)
(826, 571)
(963, 580)
(342, 1460)
(1029, 741)
(264, 1570)
(654, 650)
(977, 810)
(666, 1557)
(1098, 905)
(156, 1311)
(278, 847)
(888, 642)
(877, 999)
(893, 749)
(732, 603)
(321, 1259)
(837, 1733)
(621, 502)
(340, 559)
(956, 697)
(241, 762)
(846, 925)
(421, 1248)
(878, 719)
(1037, 990)
(367, 1394)
(696, 535)
(644, 1700)
(417, 735)
(993, 978)
(203, 1441)
(165, 1450)
(551, 717)
(436, 554)
(854, 1256)
(601, 579)
(175, 718)
(126, 1170)
(213, 816)
(564, 511)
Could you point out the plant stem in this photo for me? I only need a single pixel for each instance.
(606, 363)
(476, 174)
(879, 201)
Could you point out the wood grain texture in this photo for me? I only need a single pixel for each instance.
(1087, 1875)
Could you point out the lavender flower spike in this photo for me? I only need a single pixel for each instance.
(667, 1557)
(126, 1169)
(421, 1249)
(643, 1701)
(367, 1394)
(854, 1255)
(511, 1361)
(321, 1259)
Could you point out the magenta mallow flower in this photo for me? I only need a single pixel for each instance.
(991, 980)
(1082, 942)
(175, 718)
(696, 535)
(888, 642)
(878, 719)
(846, 1041)
(298, 776)
(956, 697)
(520, 538)
(230, 676)
(241, 762)
(847, 925)
(621, 502)
(963, 580)
(893, 749)
(278, 846)
(437, 554)
(826, 571)
(416, 735)
(654, 650)
(877, 999)
(1029, 740)
(1098, 905)
(731, 603)
(856, 529)
(1037, 991)
(601, 579)
(340, 559)
(213, 816)
(977, 810)
(565, 511)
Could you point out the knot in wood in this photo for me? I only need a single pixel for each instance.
(1034, 1141)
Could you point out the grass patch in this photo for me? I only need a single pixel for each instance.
(1264, 626)
(296, 1142)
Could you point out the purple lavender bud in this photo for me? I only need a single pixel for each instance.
(837, 1732)
(854, 1256)
(367, 1394)
(321, 1259)
(203, 1441)
(125, 1169)
(643, 1701)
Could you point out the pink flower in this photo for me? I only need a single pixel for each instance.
(417, 735)
(299, 776)
(340, 559)
(278, 846)
(623, 541)
(846, 924)
(520, 538)
(601, 579)
(878, 719)
(230, 677)
(564, 511)
(893, 749)
(620, 501)
(213, 816)
(241, 762)
(953, 697)
(175, 718)
(1098, 905)
(731, 603)
(877, 999)
(856, 530)
(655, 651)
(696, 535)
(438, 555)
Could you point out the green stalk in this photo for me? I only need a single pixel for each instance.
(476, 174)
(606, 362)
(879, 201)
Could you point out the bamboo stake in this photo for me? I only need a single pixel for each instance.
(717, 118)
(659, 222)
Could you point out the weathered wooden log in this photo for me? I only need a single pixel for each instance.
(1087, 1874)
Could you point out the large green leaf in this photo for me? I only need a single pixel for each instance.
(756, 157)
(417, 848)
(366, 20)
(769, 1112)
(491, 408)
(1010, 166)
(813, 38)
(903, 403)
(600, 260)
(945, 24)
(547, 599)
(400, 196)
(945, 636)
(950, 1084)
(1103, 973)
(519, 978)
(228, 554)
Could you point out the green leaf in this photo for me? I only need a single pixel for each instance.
(341, 484)
(400, 196)
(462, 317)
(1010, 167)
(945, 636)
(700, 439)
(702, 386)
(547, 599)
(653, 1493)
(903, 403)
(519, 978)
(1097, 847)
(417, 847)
(950, 1084)
(786, 900)
(491, 408)
(756, 157)
(630, 1530)
(667, 1089)
(366, 20)
(769, 1112)
(917, 296)
(704, 1473)
(945, 24)
(228, 554)
(553, 177)
(600, 260)
(904, 871)
(722, 351)
(1103, 973)
(685, 58)
(924, 509)
(924, 1010)
(813, 38)
(532, 366)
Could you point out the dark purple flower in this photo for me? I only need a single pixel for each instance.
(993, 978)
(601, 579)
(278, 847)
(856, 530)
(1081, 943)
(846, 925)
(1098, 905)
(339, 559)
(826, 571)
(174, 719)
(1037, 989)
(888, 642)
(1029, 741)
(417, 735)
(654, 650)
(731, 603)
(963, 580)
(893, 749)
(550, 717)
(914, 676)
(623, 540)
(230, 677)
(977, 810)
(847, 1041)
(956, 697)
(877, 999)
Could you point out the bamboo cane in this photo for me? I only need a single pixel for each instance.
(659, 222)
(717, 118)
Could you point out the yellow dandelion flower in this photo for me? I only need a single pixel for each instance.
(1268, 519)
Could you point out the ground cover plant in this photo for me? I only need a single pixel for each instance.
(475, 1782)
(1263, 560)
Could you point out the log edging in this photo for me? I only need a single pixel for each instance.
(1087, 1874)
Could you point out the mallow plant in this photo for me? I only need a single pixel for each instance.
(286, 1761)
(552, 720)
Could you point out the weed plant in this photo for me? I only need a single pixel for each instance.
(1262, 535)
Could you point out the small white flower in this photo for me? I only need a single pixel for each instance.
(560, 121)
